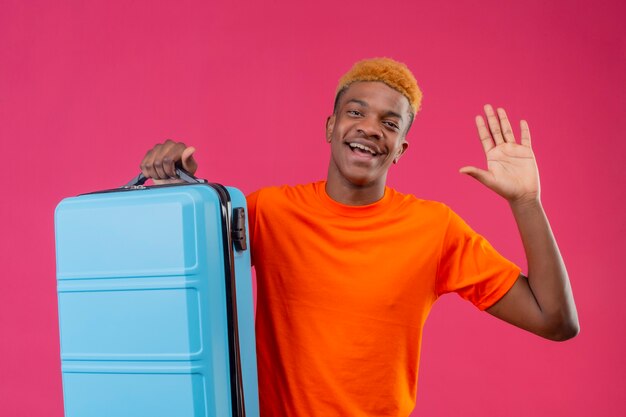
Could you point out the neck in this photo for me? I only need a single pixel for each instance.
(345, 192)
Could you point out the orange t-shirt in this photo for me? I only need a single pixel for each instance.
(344, 291)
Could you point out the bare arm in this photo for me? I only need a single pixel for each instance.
(542, 303)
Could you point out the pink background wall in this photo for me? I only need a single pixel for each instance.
(87, 87)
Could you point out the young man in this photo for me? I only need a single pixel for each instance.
(348, 268)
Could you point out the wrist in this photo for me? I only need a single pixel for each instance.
(525, 203)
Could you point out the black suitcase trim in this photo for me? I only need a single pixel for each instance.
(236, 380)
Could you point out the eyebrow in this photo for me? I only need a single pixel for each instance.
(357, 101)
(364, 104)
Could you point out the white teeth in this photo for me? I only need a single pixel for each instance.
(365, 148)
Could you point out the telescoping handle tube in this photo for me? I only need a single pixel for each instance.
(181, 173)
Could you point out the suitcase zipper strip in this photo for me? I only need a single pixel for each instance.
(236, 380)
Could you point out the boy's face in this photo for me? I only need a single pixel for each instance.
(367, 132)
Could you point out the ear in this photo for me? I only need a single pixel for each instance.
(330, 126)
(403, 149)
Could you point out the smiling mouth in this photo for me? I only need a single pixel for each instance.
(363, 149)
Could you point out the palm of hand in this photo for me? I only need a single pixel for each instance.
(513, 171)
(511, 167)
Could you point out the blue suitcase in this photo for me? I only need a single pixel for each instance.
(155, 302)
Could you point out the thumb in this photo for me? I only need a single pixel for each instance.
(189, 163)
(482, 176)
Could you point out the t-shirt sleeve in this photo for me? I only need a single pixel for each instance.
(252, 202)
(471, 267)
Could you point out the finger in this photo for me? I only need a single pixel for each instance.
(171, 157)
(189, 163)
(525, 137)
(483, 134)
(482, 176)
(166, 158)
(157, 164)
(506, 126)
(147, 165)
(169, 166)
(494, 125)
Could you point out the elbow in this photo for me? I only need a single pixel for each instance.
(564, 330)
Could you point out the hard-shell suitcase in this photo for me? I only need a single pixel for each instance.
(155, 302)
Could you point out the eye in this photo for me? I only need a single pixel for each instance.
(355, 113)
(391, 124)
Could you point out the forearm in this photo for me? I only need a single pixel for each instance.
(547, 275)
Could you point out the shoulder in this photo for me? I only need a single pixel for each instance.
(408, 203)
(284, 194)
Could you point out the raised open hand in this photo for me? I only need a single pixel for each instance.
(511, 166)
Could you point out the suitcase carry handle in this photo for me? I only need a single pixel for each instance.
(181, 173)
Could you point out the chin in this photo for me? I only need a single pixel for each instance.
(357, 176)
(363, 180)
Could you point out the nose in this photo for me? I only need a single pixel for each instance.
(370, 128)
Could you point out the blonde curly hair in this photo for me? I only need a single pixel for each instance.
(393, 73)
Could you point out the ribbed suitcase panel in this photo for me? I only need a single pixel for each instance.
(135, 394)
(142, 304)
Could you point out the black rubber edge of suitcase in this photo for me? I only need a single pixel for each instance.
(236, 380)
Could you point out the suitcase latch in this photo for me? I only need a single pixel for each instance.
(238, 231)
